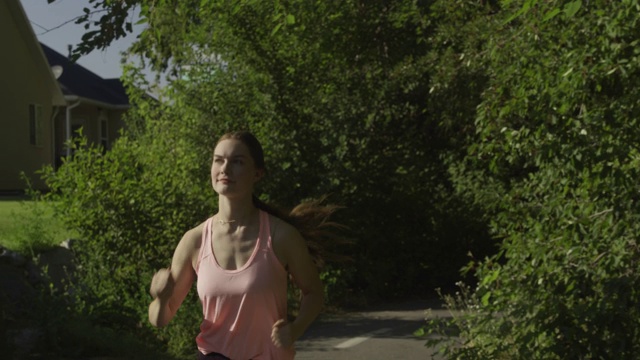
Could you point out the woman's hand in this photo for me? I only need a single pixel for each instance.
(281, 334)
(162, 284)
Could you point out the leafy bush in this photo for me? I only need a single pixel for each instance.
(131, 206)
(557, 132)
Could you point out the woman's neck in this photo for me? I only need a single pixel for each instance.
(237, 211)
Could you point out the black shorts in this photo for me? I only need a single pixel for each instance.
(212, 356)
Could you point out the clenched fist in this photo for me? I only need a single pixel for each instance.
(162, 284)
(281, 334)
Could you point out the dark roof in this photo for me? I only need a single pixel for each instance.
(76, 80)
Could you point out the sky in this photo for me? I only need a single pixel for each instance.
(45, 19)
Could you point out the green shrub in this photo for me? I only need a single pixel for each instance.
(131, 206)
(557, 133)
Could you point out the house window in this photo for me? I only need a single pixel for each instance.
(36, 126)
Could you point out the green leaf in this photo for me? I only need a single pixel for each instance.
(525, 8)
(276, 29)
(291, 19)
(485, 298)
(551, 14)
(572, 8)
(491, 277)
(236, 8)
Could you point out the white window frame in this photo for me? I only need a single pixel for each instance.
(104, 132)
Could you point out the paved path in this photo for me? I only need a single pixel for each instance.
(383, 333)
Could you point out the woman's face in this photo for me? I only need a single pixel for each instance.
(233, 171)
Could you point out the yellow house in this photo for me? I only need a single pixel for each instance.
(92, 103)
(45, 98)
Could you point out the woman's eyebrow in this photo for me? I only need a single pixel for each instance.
(232, 156)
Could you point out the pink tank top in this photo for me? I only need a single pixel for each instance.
(240, 306)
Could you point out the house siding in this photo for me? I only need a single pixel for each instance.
(28, 80)
(87, 116)
(21, 86)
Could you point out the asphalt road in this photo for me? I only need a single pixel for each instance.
(382, 333)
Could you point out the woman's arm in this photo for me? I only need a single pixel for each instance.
(297, 260)
(169, 287)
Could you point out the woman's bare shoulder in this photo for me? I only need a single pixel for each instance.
(192, 239)
(281, 229)
(195, 232)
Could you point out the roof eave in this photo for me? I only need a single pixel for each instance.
(74, 98)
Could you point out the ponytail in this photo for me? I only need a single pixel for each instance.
(311, 219)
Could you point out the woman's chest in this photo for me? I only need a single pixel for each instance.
(233, 255)
(258, 275)
(233, 251)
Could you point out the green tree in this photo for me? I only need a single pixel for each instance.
(557, 136)
(373, 103)
(348, 99)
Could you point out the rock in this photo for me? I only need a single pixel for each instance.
(57, 265)
(12, 258)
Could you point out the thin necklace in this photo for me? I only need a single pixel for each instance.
(225, 221)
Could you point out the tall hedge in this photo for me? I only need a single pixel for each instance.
(557, 134)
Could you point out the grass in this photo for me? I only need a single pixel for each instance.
(27, 225)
